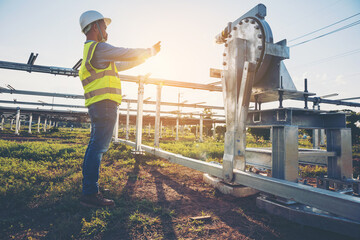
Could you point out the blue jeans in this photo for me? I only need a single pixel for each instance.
(103, 118)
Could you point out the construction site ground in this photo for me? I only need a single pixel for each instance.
(154, 199)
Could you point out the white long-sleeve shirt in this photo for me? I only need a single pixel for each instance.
(124, 58)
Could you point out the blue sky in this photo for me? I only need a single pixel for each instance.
(186, 29)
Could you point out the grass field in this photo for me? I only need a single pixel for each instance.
(40, 183)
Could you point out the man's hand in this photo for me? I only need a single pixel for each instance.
(155, 48)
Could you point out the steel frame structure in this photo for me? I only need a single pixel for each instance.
(254, 71)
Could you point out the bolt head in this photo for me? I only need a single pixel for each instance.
(224, 63)
(234, 28)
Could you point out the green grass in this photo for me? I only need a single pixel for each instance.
(40, 183)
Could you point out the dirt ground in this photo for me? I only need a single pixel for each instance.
(182, 190)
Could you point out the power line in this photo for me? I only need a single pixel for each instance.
(323, 35)
(324, 27)
(327, 59)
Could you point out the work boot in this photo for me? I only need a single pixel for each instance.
(96, 200)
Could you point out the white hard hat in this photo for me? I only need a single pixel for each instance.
(91, 16)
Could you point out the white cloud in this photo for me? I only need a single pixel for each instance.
(340, 80)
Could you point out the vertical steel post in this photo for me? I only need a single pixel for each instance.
(2, 123)
(38, 128)
(116, 127)
(316, 138)
(214, 130)
(285, 153)
(161, 129)
(127, 121)
(322, 137)
(49, 126)
(30, 122)
(45, 122)
(157, 116)
(339, 141)
(177, 128)
(11, 124)
(17, 123)
(201, 128)
(139, 117)
(19, 127)
(196, 131)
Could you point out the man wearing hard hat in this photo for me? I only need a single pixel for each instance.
(102, 89)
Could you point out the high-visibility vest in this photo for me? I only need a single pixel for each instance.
(99, 84)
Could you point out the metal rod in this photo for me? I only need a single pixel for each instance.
(45, 122)
(305, 95)
(127, 121)
(139, 117)
(116, 127)
(17, 123)
(2, 123)
(157, 116)
(38, 128)
(30, 122)
(201, 128)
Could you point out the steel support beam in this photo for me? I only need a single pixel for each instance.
(201, 139)
(2, 123)
(116, 127)
(139, 117)
(214, 130)
(339, 141)
(11, 124)
(45, 123)
(322, 137)
(157, 116)
(38, 125)
(127, 121)
(285, 162)
(316, 138)
(17, 123)
(177, 128)
(30, 122)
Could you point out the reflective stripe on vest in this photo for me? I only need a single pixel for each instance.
(99, 84)
(102, 91)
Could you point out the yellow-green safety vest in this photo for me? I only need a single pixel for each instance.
(99, 84)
